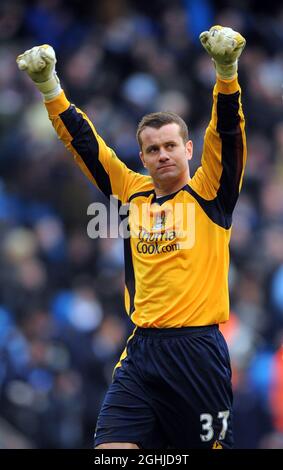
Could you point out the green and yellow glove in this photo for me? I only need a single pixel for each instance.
(225, 46)
(39, 63)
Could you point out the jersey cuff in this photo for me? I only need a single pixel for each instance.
(227, 87)
(57, 105)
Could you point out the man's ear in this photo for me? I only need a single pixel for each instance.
(189, 149)
(142, 159)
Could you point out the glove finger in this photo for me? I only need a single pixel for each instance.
(215, 28)
(48, 54)
(241, 42)
(237, 48)
(34, 62)
(203, 37)
(22, 65)
(22, 59)
(231, 47)
(240, 38)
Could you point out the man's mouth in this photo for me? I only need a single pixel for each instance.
(165, 166)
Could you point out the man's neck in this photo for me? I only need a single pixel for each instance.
(165, 190)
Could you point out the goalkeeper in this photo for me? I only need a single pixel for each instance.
(172, 385)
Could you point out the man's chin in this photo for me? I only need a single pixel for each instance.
(169, 174)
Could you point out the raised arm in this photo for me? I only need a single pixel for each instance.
(97, 161)
(219, 177)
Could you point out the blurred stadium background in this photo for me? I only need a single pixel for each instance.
(62, 322)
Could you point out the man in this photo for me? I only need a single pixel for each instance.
(172, 386)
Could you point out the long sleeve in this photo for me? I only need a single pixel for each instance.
(220, 175)
(97, 161)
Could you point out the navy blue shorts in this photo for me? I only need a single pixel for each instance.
(173, 390)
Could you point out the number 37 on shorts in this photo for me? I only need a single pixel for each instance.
(208, 426)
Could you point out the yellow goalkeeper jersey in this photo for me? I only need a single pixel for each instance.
(177, 257)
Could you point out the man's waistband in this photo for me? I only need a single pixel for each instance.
(186, 331)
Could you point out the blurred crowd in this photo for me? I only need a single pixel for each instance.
(62, 320)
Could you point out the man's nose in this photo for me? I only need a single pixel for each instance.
(163, 156)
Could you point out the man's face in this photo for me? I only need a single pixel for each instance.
(165, 155)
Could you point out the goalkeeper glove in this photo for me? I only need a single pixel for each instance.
(225, 46)
(39, 63)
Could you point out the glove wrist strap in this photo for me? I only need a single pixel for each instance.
(50, 88)
(226, 71)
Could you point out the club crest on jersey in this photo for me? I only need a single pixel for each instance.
(159, 221)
